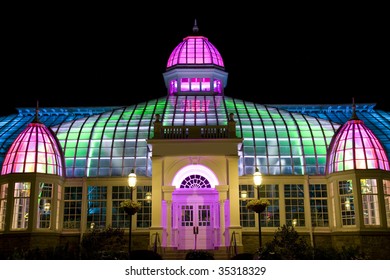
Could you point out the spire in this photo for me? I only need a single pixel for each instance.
(195, 29)
(354, 116)
(36, 119)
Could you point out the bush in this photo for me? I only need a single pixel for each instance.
(345, 253)
(61, 252)
(286, 245)
(105, 244)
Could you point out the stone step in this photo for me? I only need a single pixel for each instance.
(181, 254)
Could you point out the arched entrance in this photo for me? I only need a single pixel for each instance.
(195, 209)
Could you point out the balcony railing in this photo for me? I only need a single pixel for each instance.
(195, 132)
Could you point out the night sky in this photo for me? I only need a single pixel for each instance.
(109, 56)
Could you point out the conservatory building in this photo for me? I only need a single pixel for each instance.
(194, 151)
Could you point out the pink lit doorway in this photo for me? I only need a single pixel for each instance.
(196, 219)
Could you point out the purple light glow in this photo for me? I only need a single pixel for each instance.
(195, 169)
(356, 147)
(195, 50)
(34, 150)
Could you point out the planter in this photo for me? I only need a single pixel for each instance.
(259, 208)
(130, 211)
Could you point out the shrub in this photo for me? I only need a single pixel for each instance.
(105, 243)
(286, 245)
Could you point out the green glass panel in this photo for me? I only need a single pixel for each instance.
(81, 152)
(321, 160)
(271, 134)
(71, 144)
(83, 144)
(73, 136)
(284, 143)
(284, 150)
(308, 150)
(310, 160)
(306, 134)
(69, 161)
(293, 134)
(85, 136)
(321, 150)
(307, 141)
(70, 152)
(282, 134)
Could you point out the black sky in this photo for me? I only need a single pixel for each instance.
(109, 56)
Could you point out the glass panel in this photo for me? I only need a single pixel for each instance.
(44, 205)
(386, 191)
(319, 205)
(347, 205)
(187, 215)
(96, 207)
(370, 201)
(3, 204)
(72, 207)
(21, 205)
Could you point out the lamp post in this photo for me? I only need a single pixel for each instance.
(132, 181)
(257, 180)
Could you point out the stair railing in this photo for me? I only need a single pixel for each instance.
(233, 245)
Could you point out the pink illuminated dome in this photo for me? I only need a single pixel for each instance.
(195, 50)
(35, 150)
(354, 146)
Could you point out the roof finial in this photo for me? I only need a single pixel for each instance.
(354, 116)
(195, 29)
(36, 119)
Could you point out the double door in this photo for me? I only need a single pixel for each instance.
(195, 226)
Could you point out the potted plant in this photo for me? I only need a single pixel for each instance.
(258, 205)
(130, 207)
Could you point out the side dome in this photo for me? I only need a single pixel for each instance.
(355, 146)
(35, 150)
(195, 50)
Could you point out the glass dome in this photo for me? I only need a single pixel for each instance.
(35, 150)
(195, 50)
(355, 146)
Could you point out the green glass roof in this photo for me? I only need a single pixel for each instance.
(279, 139)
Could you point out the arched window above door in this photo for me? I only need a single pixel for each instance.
(187, 176)
(195, 182)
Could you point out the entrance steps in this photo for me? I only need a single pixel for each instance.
(173, 254)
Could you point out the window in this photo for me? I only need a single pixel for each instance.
(3, 204)
(195, 84)
(370, 202)
(295, 209)
(72, 207)
(347, 205)
(270, 217)
(218, 86)
(173, 86)
(205, 84)
(144, 215)
(319, 205)
(119, 217)
(44, 205)
(21, 205)
(97, 207)
(386, 191)
(195, 181)
(185, 84)
(247, 217)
